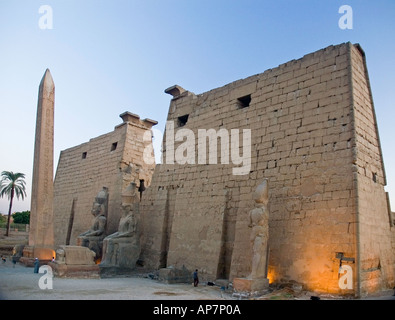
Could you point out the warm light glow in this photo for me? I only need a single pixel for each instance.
(271, 274)
(44, 253)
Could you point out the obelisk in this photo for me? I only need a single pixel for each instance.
(41, 234)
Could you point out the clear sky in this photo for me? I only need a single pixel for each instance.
(107, 57)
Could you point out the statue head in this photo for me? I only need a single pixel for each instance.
(126, 209)
(99, 205)
(102, 196)
(261, 194)
(97, 209)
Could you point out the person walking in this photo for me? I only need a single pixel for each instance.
(195, 278)
(36, 265)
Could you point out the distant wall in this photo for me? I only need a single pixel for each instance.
(113, 160)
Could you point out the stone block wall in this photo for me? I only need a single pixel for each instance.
(307, 125)
(113, 160)
(303, 139)
(377, 265)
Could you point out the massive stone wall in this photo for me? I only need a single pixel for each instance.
(308, 126)
(374, 216)
(113, 160)
(308, 137)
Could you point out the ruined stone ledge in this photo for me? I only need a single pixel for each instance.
(172, 275)
(29, 262)
(113, 271)
(75, 271)
(251, 286)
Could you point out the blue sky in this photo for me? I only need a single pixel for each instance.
(107, 57)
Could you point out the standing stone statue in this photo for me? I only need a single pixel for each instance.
(257, 281)
(93, 238)
(122, 248)
(259, 223)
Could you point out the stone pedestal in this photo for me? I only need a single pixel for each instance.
(44, 255)
(121, 260)
(121, 252)
(75, 262)
(75, 271)
(250, 285)
(75, 255)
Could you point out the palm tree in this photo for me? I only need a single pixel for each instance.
(12, 184)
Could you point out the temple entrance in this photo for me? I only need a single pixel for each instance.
(167, 225)
(227, 240)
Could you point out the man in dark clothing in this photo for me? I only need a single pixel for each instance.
(195, 278)
(36, 265)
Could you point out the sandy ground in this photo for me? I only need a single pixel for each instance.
(18, 282)
(21, 283)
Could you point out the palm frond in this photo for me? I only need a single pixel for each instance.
(20, 192)
(12, 181)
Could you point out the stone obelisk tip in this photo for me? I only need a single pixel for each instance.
(47, 81)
